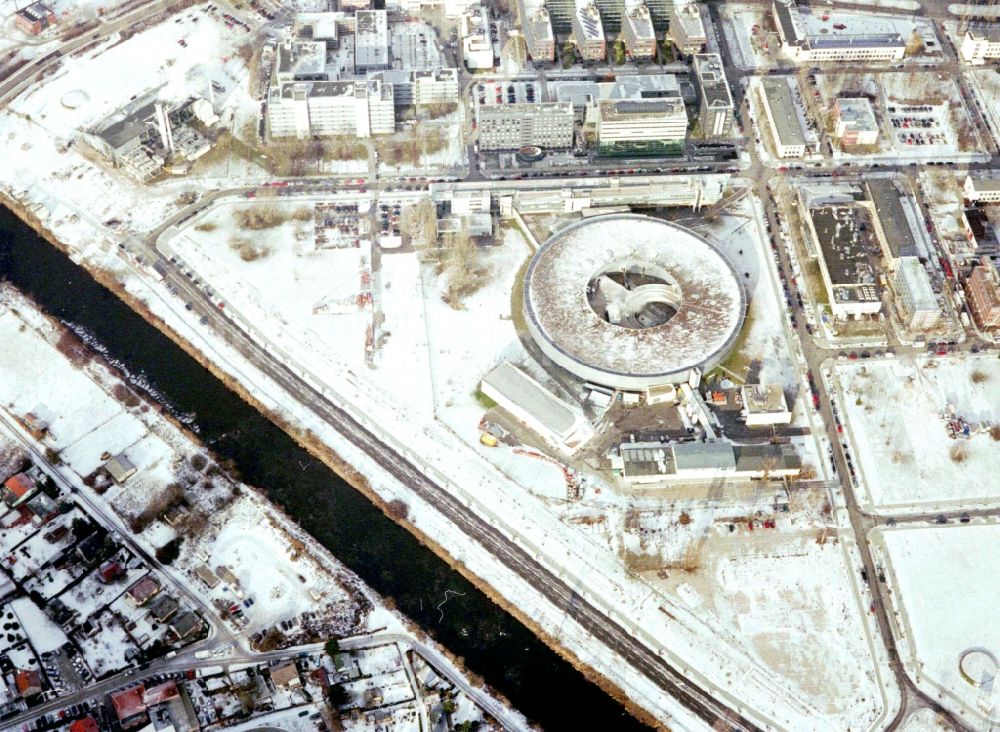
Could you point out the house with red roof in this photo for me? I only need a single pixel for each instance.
(28, 683)
(130, 706)
(17, 489)
(87, 724)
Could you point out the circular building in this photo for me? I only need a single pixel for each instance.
(631, 302)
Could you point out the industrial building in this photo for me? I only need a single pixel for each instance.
(548, 125)
(982, 292)
(915, 300)
(631, 127)
(803, 41)
(782, 119)
(477, 48)
(715, 102)
(371, 41)
(359, 108)
(764, 405)
(638, 32)
(638, 463)
(980, 43)
(537, 28)
(588, 32)
(34, 18)
(855, 122)
(146, 135)
(839, 235)
(629, 302)
(892, 228)
(981, 190)
(687, 27)
(559, 424)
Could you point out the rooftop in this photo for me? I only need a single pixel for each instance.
(786, 121)
(637, 18)
(764, 398)
(621, 109)
(712, 79)
(522, 390)
(885, 198)
(302, 58)
(912, 272)
(703, 456)
(857, 112)
(589, 21)
(765, 458)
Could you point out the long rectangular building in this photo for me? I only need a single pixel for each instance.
(715, 102)
(915, 299)
(838, 234)
(804, 43)
(537, 28)
(641, 127)
(304, 109)
(638, 32)
(549, 125)
(783, 122)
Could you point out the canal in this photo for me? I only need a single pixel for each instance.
(493, 644)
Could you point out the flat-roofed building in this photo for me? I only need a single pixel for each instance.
(477, 47)
(439, 86)
(687, 27)
(371, 40)
(588, 31)
(638, 32)
(855, 121)
(782, 120)
(638, 463)
(558, 423)
(915, 299)
(764, 405)
(300, 61)
(981, 190)
(892, 227)
(982, 292)
(715, 102)
(536, 24)
(641, 127)
(35, 18)
(839, 235)
(359, 108)
(548, 125)
(980, 43)
(804, 42)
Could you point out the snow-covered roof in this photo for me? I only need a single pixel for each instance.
(708, 316)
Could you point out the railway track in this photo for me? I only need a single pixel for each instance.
(517, 559)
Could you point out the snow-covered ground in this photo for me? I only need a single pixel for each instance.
(894, 414)
(944, 590)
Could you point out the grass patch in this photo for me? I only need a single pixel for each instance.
(814, 278)
(484, 401)
(259, 217)
(979, 377)
(737, 362)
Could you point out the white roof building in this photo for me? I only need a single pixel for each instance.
(855, 121)
(371, 40)
(477, 48)
(764, 404)
(980, 43)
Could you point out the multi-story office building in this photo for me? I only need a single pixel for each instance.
(477, 48)
(982, 190)
(420, 88)
(304, 109)
(537, 28)
(687, 27)
(779, 110)
(855, 121)
(510, 126)
(715, 102)
(641, 127)
(300, 61)
(804, 40)
(915, 300)
(982, 292)
(371, 40)
(638, 32)
(588, 31)
(980, 43)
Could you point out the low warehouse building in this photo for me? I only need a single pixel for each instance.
(638, 463)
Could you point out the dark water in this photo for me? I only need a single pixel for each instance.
(495, 645)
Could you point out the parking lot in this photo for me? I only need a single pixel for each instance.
(916, 125)
(339, 225)
(507, 92)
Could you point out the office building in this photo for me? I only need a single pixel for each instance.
(641, 127)
(359, 108)
(764, 405)
(981, 190)
(782, 118)
(839, 234)
(510, 126)
(805, 38)
(715, 103)
(980, 44)
(892, 227)
(588, 32)
(855, 123)
(477, 48)
(982, 292)
(537, 28)
(420, 88)
(915, 300)
(371, 40)
(300, 61)
(687, 27)
(638, 32)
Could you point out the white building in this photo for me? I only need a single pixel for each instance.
(983, 190)
(855, 121)
(638, 32)
(304, 109)
(509, 126)
(980, 44)
(764, 404)
(477, 48)
(588, 31)
(803, 41)
(715, 102)
(561, 425)
(371, 40)
(300, 61)
(687, 27)
(435, 87)
(915, 299)
(536, 24)
(641, 126)
(639, 463)
(782, 119)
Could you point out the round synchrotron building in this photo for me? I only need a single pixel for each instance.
(631, 302)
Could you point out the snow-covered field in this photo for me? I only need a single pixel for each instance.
(894, 415)
(944, 591)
